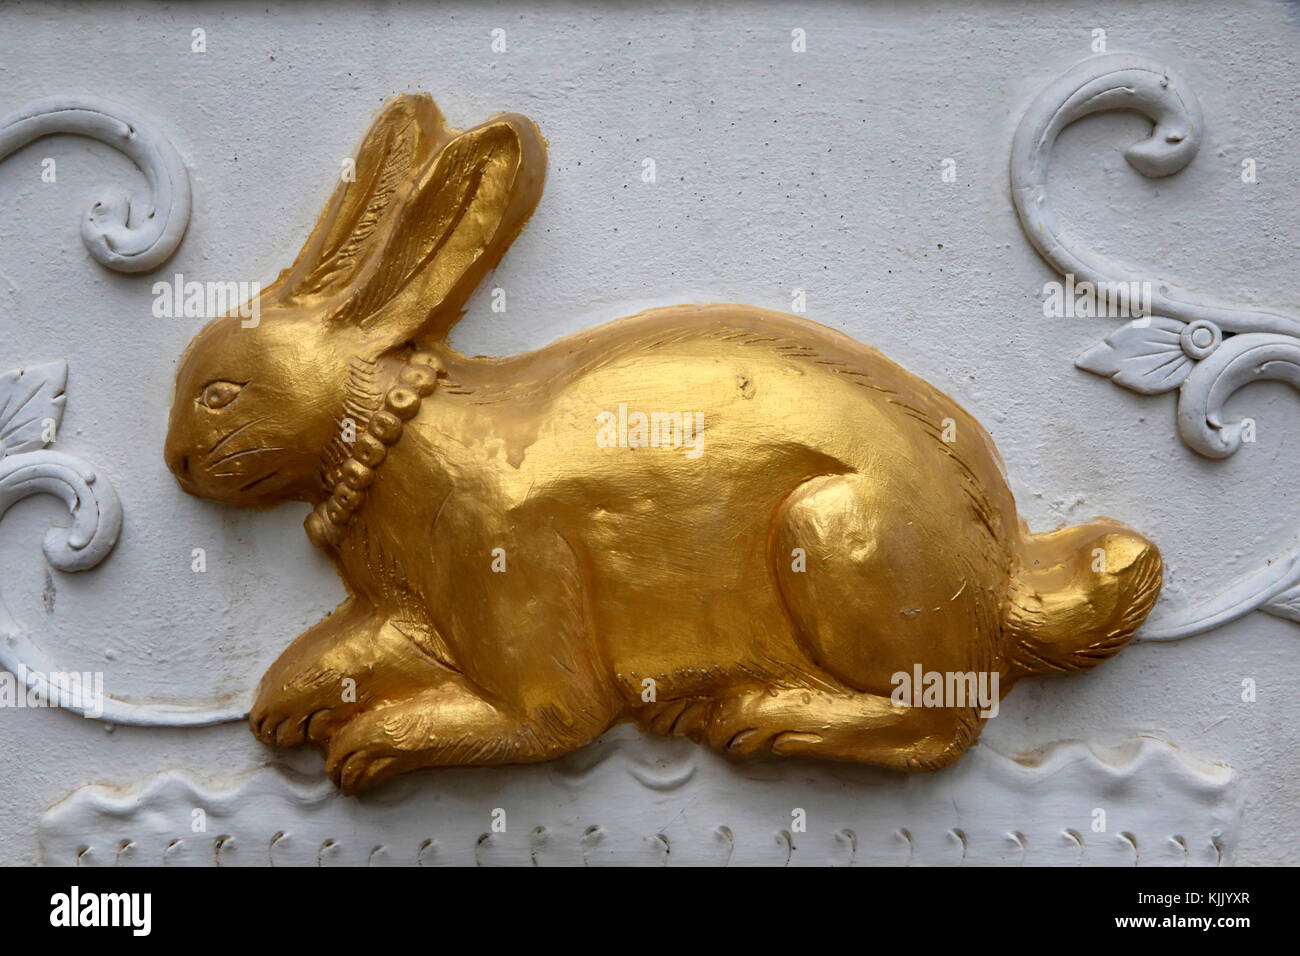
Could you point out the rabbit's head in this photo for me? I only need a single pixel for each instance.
(426, 212)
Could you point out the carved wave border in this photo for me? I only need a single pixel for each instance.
(1163, 808)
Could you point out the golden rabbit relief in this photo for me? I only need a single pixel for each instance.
(716, 521)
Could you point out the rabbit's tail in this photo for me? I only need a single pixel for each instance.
(1077, 595)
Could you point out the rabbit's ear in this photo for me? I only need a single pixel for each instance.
(409, 131)
(465, 208)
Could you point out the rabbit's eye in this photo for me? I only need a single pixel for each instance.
(219, 394)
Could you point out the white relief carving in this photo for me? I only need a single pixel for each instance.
(1163, 808)
(1206, 349)
(129, 235)
(1273, 589)
(1120, 81)
(31, 407)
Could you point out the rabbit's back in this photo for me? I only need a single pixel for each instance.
(720, 403)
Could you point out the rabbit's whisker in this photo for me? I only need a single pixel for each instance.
(241, 468)
(246, 452)
(257, 481)
(231, 434)
(237, 465)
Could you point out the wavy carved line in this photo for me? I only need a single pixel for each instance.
(994, 809)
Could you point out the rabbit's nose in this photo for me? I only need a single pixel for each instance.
(178, 463)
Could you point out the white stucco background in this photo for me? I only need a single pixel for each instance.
(775, 171)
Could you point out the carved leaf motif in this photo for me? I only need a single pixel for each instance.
(1145, 355)
(30, 398)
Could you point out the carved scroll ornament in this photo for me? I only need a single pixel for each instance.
(32, 400)
(129, 234)
(1205, 349)
(715, 521)
(31, 407)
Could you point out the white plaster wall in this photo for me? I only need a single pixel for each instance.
(775, 170)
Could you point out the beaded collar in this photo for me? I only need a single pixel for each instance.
(328, 522)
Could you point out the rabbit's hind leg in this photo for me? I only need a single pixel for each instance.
(453, 725)
(874, 582)
(332, 670)
(882, 582)
(840, 725)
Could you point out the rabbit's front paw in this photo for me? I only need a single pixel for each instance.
(288, 713)
(360, 756)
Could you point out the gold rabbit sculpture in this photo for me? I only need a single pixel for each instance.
(714, 520)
